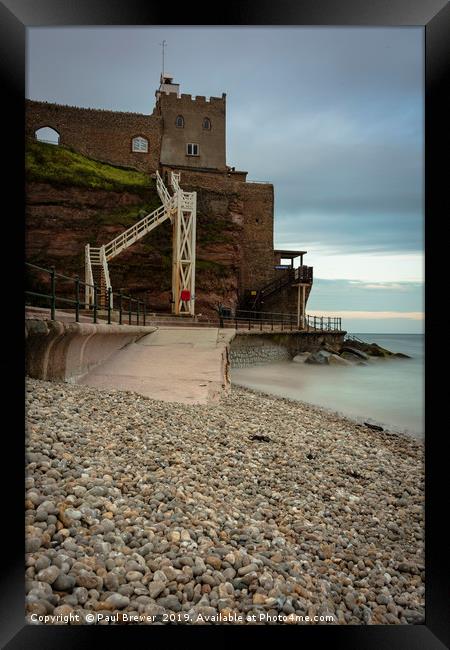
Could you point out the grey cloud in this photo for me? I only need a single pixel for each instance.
(348, 295)
(332, 116)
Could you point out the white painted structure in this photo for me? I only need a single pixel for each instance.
(181, 209)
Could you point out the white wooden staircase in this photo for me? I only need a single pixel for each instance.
(180, 208)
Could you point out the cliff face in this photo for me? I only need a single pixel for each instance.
(69, 206)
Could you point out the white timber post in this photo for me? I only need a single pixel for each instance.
(193, 253)
(176, 290)
(303, 288)
(184, 235)
(301, 295)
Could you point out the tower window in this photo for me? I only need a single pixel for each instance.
(139, 144)
(192, 149)
(207, 124)
(179, 122)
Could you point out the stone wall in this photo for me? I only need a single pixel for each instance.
(57, 351)
(253, 207)
(250, 348)
(100, 134)
(242, 356)
(211, 142)
(257, 268)
(284, 301)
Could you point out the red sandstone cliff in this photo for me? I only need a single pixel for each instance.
(60, 221)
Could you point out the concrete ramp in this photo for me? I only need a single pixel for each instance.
(174, 364)
(204, 337)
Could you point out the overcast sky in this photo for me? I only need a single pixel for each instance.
(333, 117)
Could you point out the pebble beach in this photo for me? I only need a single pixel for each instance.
(255, 510)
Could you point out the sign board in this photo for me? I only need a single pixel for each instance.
(253, 293)
(283, 266)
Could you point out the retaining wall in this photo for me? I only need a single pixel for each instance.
(67, 351)
(250, 348)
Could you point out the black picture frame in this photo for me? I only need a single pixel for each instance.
(15, 17)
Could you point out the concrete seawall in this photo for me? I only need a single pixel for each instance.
(250, 348)
(189, 364)
(67, 351)
(175, 364)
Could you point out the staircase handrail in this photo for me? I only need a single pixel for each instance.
(138, 229)
(106, 274)
(276, 284)
(175, 181)
(87, 252)
(162, 190)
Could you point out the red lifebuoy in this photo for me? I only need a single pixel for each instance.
(185, 295)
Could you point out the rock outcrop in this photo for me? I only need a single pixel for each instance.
(351, 352)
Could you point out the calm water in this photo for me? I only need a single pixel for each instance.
(389, 392)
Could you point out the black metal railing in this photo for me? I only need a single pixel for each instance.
(121, 306)
(352, 337)
(323, 323)
(125, 309)
(276, 284)
(270, 321)
(304, 274)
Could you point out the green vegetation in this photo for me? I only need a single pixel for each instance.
(126, 217)
(213, 267)
(59, 165)
(213, 231)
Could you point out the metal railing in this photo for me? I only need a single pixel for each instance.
(120, 306)
(303, 274)
(353, 337)
(270, 321)
(323, 323)
(125, 309)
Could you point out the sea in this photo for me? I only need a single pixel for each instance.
(387, 392)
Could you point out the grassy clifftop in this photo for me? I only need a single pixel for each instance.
(47, 163)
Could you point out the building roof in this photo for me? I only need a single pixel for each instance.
(289, 254)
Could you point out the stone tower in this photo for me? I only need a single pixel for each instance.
(193, 128)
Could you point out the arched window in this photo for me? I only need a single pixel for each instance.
(206, 123)
(179, 122)
(139, 144)
(47, 134)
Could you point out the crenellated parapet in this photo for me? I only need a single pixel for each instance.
(186, 97)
